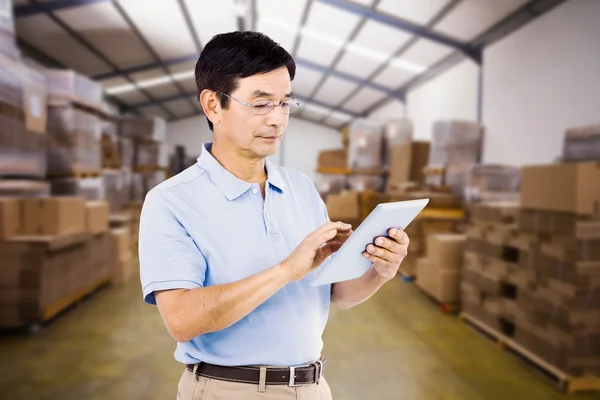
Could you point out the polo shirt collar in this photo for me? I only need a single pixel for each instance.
(230, 185)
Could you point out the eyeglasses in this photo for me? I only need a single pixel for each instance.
(262, 107)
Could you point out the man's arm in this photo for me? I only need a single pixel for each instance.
(188, 313)
(386, 254)
(350, 293)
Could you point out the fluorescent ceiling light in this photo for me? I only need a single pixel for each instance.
(316, 109)
(151, 82)
(351, 47)
(340, 116)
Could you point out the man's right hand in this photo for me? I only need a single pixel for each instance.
(311, 253)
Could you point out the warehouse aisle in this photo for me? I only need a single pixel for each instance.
(396, 346)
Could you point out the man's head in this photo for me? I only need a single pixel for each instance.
(245, 67)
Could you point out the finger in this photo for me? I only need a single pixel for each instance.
(389, 244)
(340, 226)
(385, 254)
(399, 236)
(376, 260)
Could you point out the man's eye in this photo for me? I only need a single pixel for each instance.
(286, 104)
(263, 105)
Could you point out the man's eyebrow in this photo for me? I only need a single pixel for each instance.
(262, 93)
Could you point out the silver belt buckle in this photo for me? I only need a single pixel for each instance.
(292, 381)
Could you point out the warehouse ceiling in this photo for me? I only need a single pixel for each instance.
(352, 56)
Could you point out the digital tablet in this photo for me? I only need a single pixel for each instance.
(348, 262)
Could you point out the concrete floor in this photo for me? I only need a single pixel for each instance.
(396, 346)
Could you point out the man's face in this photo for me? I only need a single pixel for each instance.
(257, 135)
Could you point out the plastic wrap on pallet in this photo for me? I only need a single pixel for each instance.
(361, 183)
(64, 84)
(397, 132)
(90, 188)
(146, 154)
(328, 184)
(115, 188)
(582, 143)
(151, 129)
(455, 142)
(7, 31)
(127, 150)
(73, 141)
(484, 180)
(366, 145)
(24, 188)
(22, 120)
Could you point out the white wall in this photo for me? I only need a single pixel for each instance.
(301, 144)
(540, 80)
(450, 95)
(391, 110)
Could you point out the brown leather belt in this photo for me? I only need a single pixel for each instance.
(291, 376)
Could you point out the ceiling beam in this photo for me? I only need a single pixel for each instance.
(300, 62)
(512, 22)
(44, 8)
(415, 29)
(157, 59)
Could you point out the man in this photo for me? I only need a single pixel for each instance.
(228, 245)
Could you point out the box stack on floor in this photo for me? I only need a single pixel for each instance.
(74, 135)
(439, 273)
(532, 273)
(55, 251)
(22, 118)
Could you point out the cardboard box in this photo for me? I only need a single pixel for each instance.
(122, 270)
(442, 285)
(52, 216)
(571, 188)
(96, 216)
(121, 241)
(344, 206)
(337, 158)
(446, 251)
(407, 163)
(9, 217)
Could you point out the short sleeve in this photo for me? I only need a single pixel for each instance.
(169, 257)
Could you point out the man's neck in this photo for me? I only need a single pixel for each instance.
(245, 168)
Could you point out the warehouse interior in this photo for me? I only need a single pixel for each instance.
(489, 109)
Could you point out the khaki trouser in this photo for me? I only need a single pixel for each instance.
(201, 388)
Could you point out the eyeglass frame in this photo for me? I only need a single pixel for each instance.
(251, 105)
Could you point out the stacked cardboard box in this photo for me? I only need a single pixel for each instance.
(121, 264)
(53, 252)
(439, 273)
(582, 143)
(22, 120)
(537, 282)
(455, 148)
(407, 162)
(333, 159)
(117, 184)
(143, 182)
(67, 87)
(353, 207)
(73, 141)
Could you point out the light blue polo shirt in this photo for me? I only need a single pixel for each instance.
(206, 227)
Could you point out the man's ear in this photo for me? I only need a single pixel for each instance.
(211, 105)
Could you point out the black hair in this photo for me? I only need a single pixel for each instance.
(230, 56)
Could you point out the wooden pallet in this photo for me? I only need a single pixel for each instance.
(147, 168)
(76, 174)
(334, 170)
(62, 304)
(562, 380)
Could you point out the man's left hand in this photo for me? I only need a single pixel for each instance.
(386, 254)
